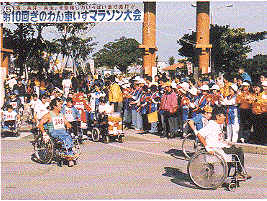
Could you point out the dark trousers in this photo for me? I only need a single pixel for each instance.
(169, 123)
(146, 125)
(239, 152)
(75, 127)
(245, 123)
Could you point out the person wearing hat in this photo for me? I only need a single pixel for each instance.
(204, 97)
(185, 101)
(193, 97)
(167, 110)
(135, 103)
(215, 96)
(245, 112)
(232, 120)
(200, 120)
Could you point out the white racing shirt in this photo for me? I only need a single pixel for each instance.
(69, 115)
(213, 135)
(10, 116)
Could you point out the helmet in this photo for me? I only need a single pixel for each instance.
(207, 109)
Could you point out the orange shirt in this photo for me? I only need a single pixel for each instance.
(225, 90)
(241, 98)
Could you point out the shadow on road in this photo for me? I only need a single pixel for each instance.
(179, 178)
(177, 154)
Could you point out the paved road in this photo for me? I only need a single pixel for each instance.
(143, 167)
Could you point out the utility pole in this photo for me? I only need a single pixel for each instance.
(203, 45)
(149, 37)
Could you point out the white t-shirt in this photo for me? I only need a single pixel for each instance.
(33, 103)
(66, 83)
(12, 82)
(10, 116)
(106, 108)
(213, 135)
(40, 110)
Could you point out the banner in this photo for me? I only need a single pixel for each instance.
(103, 12)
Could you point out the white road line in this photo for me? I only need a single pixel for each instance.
(167, 155)
(140, 151)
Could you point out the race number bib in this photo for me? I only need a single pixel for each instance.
(14, 104)
(58, 123)
(79, 105)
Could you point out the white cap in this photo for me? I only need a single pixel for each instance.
(137, 78)
(141, 81)
(185, 86)
(215, 87)
(245, 84)
(234, 87)
(193, 91)
(264, 83)
(174, 85)
(204, 88)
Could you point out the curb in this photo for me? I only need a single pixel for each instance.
(247, 148)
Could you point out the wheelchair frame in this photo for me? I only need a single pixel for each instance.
(100, 130)
(204, 174)
(15, 131)
(53, 149)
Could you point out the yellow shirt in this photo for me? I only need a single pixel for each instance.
(242, 100)
(262, 101)
(225, 90)
(115, 94)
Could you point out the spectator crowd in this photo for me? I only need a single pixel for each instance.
(161, 104)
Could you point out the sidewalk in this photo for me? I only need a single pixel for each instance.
(248, 148)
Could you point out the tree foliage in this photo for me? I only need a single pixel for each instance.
(229, 46)
(121, 53)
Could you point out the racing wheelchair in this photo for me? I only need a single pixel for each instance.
(100, 130)
(191, 143)
(52, 149)
(10, 127)
(209, 171)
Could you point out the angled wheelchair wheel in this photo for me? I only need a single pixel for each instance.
(44, 151)
(189, 145)
(207, 171)
(121, 138)
(106, 139)
(95, 134)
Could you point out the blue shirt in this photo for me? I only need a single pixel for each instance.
(198, 121)
(245, 76)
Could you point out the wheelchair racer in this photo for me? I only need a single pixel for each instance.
(9, 117)
(56, 123)
(211, 136)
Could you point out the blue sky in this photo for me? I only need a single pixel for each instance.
(174, 19)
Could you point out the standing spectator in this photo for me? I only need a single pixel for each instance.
(245, 112)
(115, 95)
(168, 108)
(245, 76)
(136, 96)
(257, 117)
(143, 108)
(232, 119)
(225, 89)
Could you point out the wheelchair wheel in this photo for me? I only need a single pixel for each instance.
(44, 151)
(190, 145)
(207, 171)
(95, 134)
(106, 139)
(121, 139)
